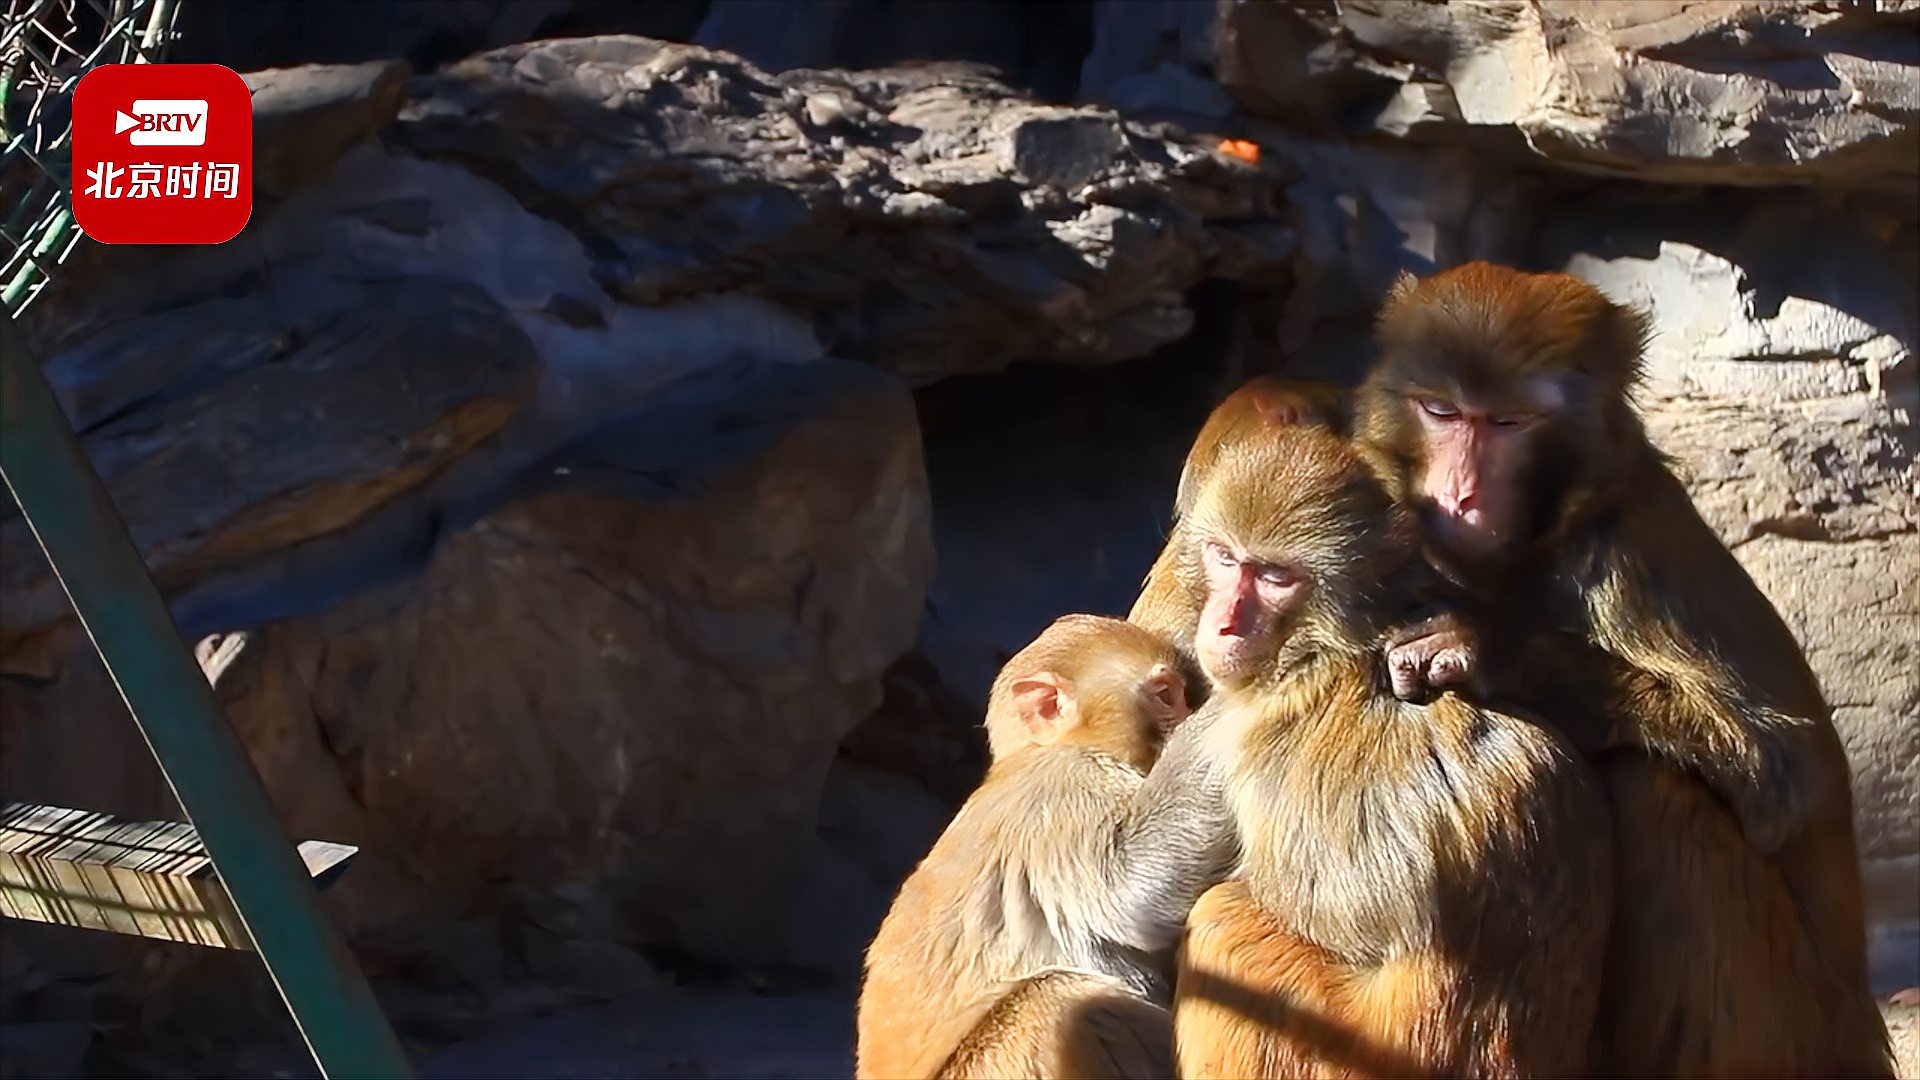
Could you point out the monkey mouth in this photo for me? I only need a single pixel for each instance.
(1225, 655)
(1471, 533)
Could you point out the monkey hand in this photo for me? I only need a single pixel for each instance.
(1431, 655)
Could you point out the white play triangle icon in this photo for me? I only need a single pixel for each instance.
(121, 121)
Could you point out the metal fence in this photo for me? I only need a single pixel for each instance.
(45, 46)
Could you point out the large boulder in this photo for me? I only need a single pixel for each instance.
(622, 685)
(1746, 93)
(926, 219)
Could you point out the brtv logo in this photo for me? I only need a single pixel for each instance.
(162, 154)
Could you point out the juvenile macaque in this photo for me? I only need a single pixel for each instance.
(1424, 889)
(1603, 603)
(1030, 941)
(1263, 405)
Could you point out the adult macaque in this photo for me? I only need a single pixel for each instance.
(1424, 889)
(1500, 403)
(1032, 939)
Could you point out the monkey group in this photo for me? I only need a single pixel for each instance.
(1444, 739)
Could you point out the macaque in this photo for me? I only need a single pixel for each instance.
(1261, 406)
(1032, 939)
(1423, 889)
(1592, 594)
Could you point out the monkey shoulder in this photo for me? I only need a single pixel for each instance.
(1660, 589)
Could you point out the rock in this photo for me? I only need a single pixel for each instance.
(250, 34)
(1147, 58)
(1780, 376)
(1033, 46)
(705, 1032)
(875, 827)
(1054, 487)
(1733, 93)
(962, 226)
(1369, 213)
(926, 219)
(923, 731)
(389, 342)
(580, 685)
(43, 1049)
(1131, 37)
(304, 118)
(290, 422)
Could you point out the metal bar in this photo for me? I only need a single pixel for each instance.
(74, 519)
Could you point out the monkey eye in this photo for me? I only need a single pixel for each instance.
(1218, 554)
(1514, 421)
(1276, 574)
(1435, 407)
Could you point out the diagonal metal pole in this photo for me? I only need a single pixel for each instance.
(74, 519)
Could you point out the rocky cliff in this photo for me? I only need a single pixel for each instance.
(606, 472)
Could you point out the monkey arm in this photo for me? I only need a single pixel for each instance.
(1703, 671)
(1176, 838)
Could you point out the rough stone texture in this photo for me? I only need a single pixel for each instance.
(232, 430)
(620, 659)
(304, 118)
(660, 212)
(1903, 1023)
(924, 218)
(1746, 93)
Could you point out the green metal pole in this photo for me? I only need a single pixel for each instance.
(95, 558)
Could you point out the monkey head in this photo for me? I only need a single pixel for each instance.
(1286, 542)
(1098, 683)
(1497, 402)
(1261, 405)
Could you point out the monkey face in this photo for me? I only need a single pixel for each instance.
(1089, 681)
(1470, 483)
(1497, 394)
(1250, 604)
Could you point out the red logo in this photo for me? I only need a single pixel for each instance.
(162, 154)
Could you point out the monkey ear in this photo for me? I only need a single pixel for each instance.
(1165, 695)
(1039, 700)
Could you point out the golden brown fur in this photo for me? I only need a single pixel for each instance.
(1423, 889)
(1263, 405)
(1740, 948)
(1065, 1023)
(1008, 943)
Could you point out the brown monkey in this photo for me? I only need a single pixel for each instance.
(1017, 947)
(1424, 889)
(1262, 405)
(1500, 405)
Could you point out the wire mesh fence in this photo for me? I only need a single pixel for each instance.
(45, 47)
